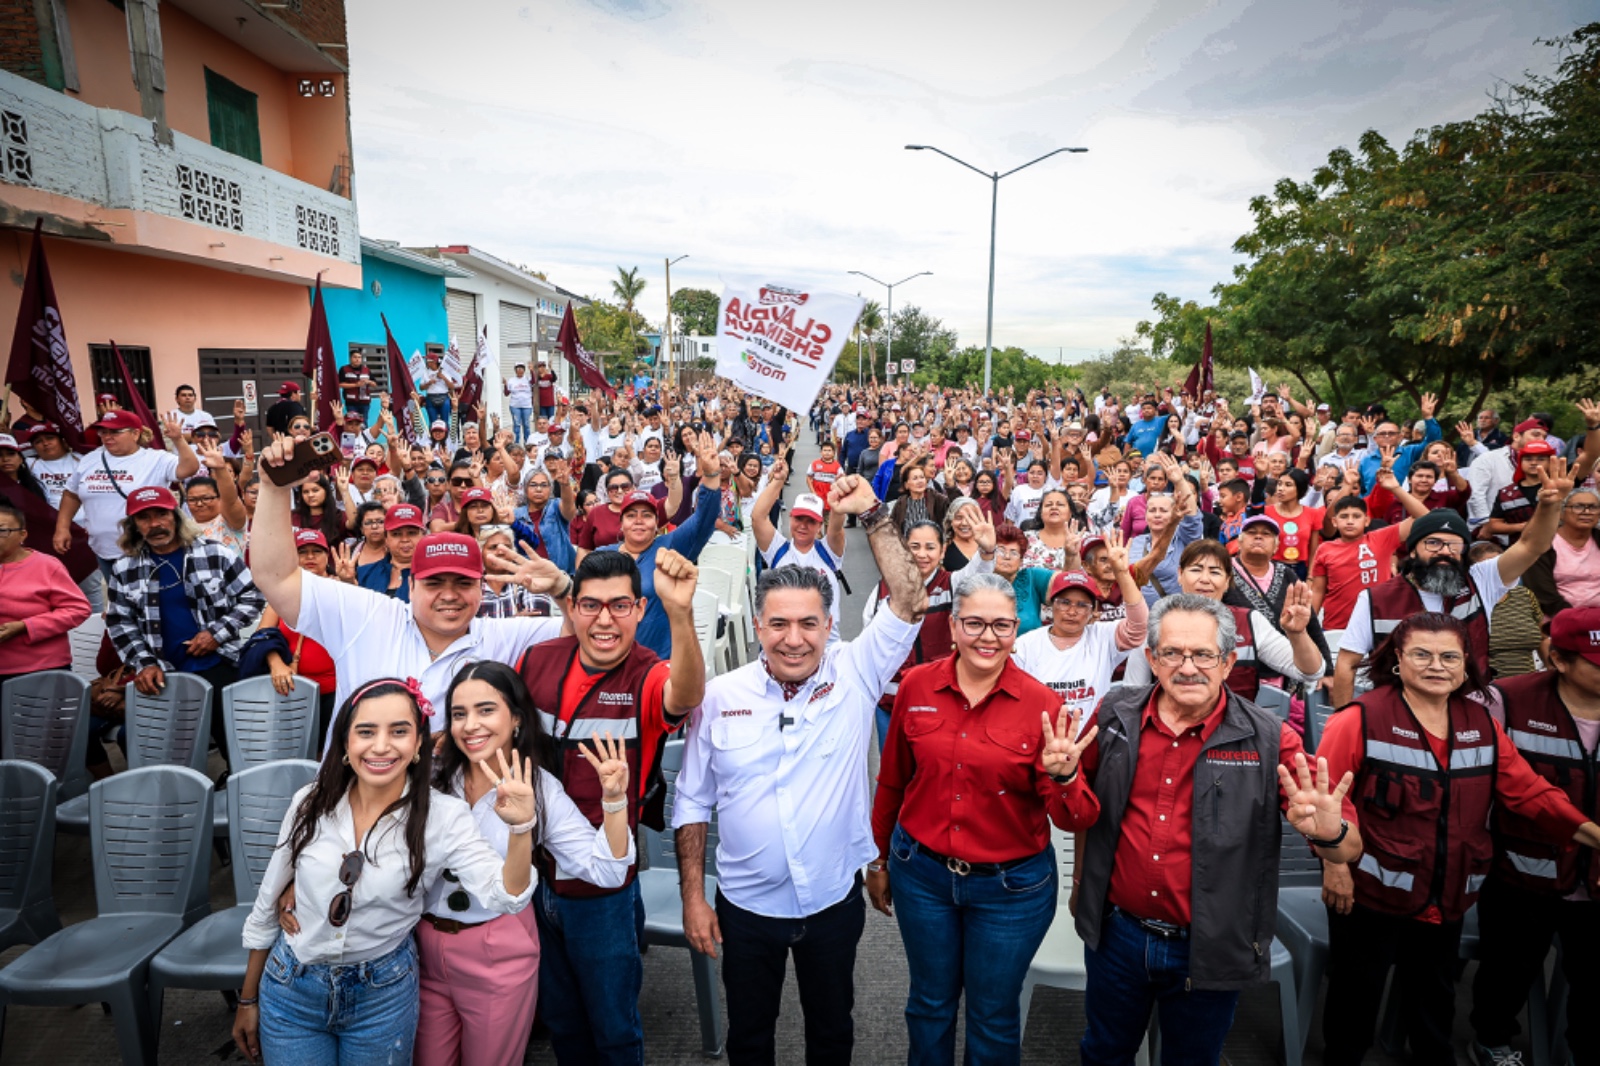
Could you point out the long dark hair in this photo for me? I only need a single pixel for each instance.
(1383, 662)
(528, 737)
(336, 777)
(27, 480)
(330, 525)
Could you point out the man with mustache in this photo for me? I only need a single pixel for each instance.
(1436, 577)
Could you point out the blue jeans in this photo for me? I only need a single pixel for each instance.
(1130, 972)
(590, 975)
(355, 1015)
(969, 934)
(522, 424)
(882, 717)
(438, 408)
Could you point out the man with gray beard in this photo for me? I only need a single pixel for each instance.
(1436, 577)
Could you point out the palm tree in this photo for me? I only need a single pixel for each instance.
(870, 322)
(626, 288)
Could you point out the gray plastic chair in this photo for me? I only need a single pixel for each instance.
(210, 954)
(1318, 711)
(44, 718)
(170, 729)
(152, 847)
(663, 906)
(1302, 929)
(1273, 700)
(27, 851)
(261, 726)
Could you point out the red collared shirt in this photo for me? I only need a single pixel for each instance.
(968, 781)
(1151, 876)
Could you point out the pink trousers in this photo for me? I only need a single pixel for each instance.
(479, 990)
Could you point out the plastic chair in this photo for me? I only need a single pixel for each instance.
(1302, 933)
(712, 647)
(1273, 700)
(85, 641)
(260, 726)
(663, 906)
(152, 848)
(27, 852)
(1318, 711)
(1059, 961)
(44, 719)
(210, 954)
(726, 587)
(169, 729)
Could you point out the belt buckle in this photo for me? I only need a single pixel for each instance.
(960, 867)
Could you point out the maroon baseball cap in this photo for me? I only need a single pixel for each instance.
(1536, 447)
(1089, 544)
(1067, 580)
(40, 430)
(149, 498)
(369, 460)
(115, 420)
(639, 496)
(477, 495)
(309, 538)
(289, 388)
(8, 441)
(447, 553)
(1577, 629)
(403, 516)
(105, 398)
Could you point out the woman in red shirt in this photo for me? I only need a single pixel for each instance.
(977, 760)
(1430, 764)
(309, 660)
(1300, 527)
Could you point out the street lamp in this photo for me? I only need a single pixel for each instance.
(889, 357)
(666, 349)
(994, 207)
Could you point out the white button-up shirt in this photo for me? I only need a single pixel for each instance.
(381, 914)
(794, 804)
(369, 636)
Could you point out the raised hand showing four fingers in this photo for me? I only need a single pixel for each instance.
(1063, 746)
(513, 787)
(610, 762)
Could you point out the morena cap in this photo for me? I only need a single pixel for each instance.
(309, 538)
(479, 494)
(638, 497)
(807, 505)
(1067, 580)
(403, 516)
(447, 553)
(119, 420)
(1577, 629)
(150, 498)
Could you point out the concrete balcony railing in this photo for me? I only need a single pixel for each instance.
(55, 144)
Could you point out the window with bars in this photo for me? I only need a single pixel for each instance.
(107, 378)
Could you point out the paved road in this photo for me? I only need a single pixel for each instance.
(196, 1025)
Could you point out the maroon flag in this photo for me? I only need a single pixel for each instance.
(1199, 381)
(136, 402)
(40, 370)
(318, 363)
(584, 361)
(472, 381)
(402, 390)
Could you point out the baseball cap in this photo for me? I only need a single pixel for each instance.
(105, 398)
(119, 420)
(403, 516)
(39, 430)
(447, 553)
(557, 427)
(477, 495)
(202, 418)
(1536, 447)
(369, 460)
(1072, 579)
(149, 498)
(439, 423)
(354, 416)
(1323, 407)
(1261, 520)
(1023, 434)
(8, 441)
(807, 505)
(636, 497)
(1089, 544)
(1577, 629)
(1529, 423)
(309, 538)
(289, 387)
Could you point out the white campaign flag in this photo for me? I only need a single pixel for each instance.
(450, 365)
(1258, 388)
(780, 342)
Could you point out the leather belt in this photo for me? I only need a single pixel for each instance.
(969, 869)
(450, 925)
(1155, 927)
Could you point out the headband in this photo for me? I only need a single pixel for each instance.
(410, 684)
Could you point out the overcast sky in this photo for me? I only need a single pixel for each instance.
(577, 135)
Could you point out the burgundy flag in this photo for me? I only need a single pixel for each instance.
(1199, 380)
(318, 364)
(40, 370)
(136, 402)
(584, 361)
(402, 390)
(472, 381)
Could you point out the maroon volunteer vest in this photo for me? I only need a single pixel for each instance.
(1245, 677)
(1425, 828)
(933, 640)
(1514, 505)
(1539, 724)
(615, 703)
(1398, 599)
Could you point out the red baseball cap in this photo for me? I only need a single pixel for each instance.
(1536, 447)
(309, 538)
(105, 398)
(1089, 544)
(403, 516)
(477, 495)
(289, 387)
(1577, 629)
(115, 420)
(807, 505)
(1072, 579)
(447, 553)
(149, 498)
(637, 497)
(40, 430)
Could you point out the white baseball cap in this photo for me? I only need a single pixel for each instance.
(807, 505)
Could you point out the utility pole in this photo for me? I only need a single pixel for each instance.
(667, 354)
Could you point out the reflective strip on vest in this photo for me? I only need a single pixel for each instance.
(1389, 878)
(1474, 883)
(891, 688)
(1384, 626)
(1464, 611)
(1472, 758)
(1383, 751)
(1545, 868)
(590, 728)
(1561, 749)
(1245, 653)
(551, 725)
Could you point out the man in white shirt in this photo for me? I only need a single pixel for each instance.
(1492, 471)
(804, 546)
(189, 412)
(779, 748)
(106, 476)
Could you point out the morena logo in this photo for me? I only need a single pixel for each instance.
(447, 548)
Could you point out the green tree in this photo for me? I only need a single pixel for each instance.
(626, 287)
(606, 328)
(871, 324)
(697, 310)
(920, 337)
(1012, 367)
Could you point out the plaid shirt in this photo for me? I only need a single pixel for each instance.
(224, 599)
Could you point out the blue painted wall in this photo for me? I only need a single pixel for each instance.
(413, 302)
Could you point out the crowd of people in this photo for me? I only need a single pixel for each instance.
(1076, 609)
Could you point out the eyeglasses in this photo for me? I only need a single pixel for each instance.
(433, 481)
(1584, 507)
(6, 530)
(591, 608)
(192, 500)
(1422, 657)
(1174, 658)
(1440, 546)
(1007, 553)
(974, 627)
(349, 873)
(457, 900)
(621, 486)
(1075, 606)
(462, 482)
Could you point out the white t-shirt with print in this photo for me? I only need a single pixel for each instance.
(104, 507)
(55, 475)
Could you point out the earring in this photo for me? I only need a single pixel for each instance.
(1396, 670)
(416, 758)
(345, 759)
(516, 731)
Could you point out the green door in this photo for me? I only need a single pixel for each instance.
(234, 125)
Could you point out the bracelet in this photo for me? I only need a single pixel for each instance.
(1067, 779)
(525, 827)
(1344, 830)
(250, 1002)
(875, 867)
(872, 514)
(613, 808)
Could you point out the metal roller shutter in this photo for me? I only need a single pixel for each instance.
(461, 313)
(516, 340)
